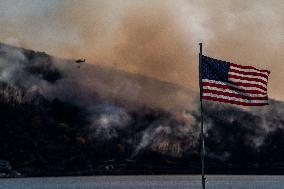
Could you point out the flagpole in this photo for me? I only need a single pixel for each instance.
(201, 119)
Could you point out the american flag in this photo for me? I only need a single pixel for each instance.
(232, 83)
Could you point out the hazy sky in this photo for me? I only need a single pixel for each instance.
(157, 38)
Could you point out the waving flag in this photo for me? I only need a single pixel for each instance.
(232, 83)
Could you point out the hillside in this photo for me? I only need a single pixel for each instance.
(62, 118)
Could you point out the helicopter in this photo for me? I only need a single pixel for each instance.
(78, 61)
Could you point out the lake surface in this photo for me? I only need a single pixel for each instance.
(149, 182)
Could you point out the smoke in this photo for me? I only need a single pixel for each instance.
(171, 134)
(19, 71)
(154, 38)
(106, 121)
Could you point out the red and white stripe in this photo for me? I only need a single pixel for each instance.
(246, 86)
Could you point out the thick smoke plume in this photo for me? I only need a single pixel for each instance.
(154, 38)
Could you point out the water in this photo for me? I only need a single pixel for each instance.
(143, 182)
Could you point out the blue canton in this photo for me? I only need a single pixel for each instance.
(214, 69)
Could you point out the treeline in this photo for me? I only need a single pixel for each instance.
(43, 138)
(38, 136)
